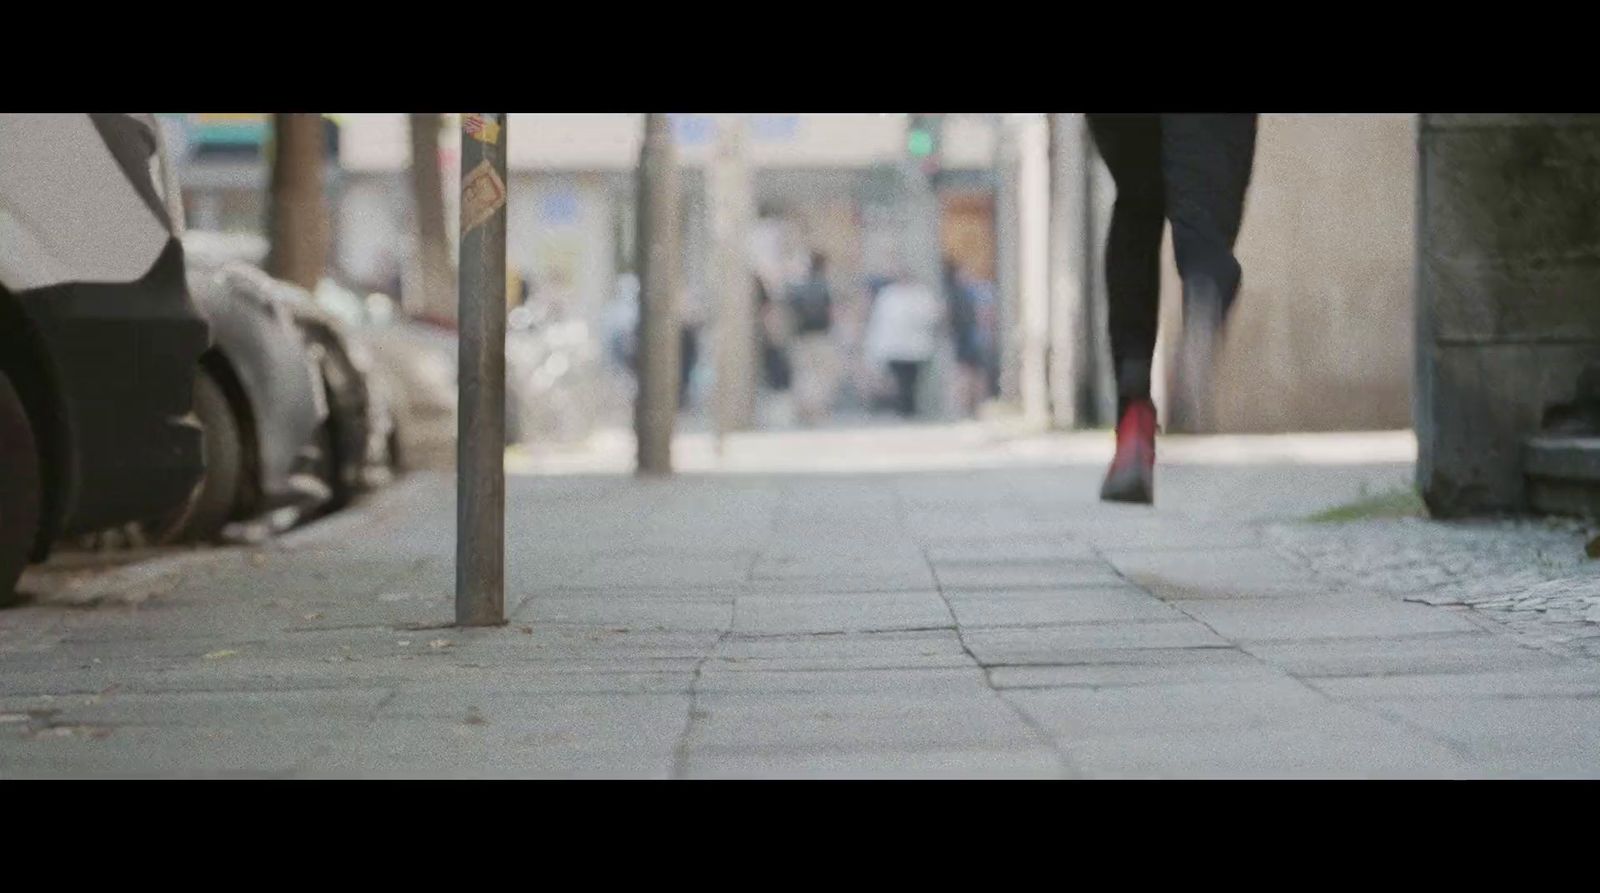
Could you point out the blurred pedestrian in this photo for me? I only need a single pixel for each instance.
(692, 318)
(902, 334)
(812, 350)
(1191, 170)
(961, 307)
(774, 356)
(620, 322)
(988, 335)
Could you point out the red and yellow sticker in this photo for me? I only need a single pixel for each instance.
(483, 128)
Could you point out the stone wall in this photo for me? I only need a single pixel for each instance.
(1508, 309)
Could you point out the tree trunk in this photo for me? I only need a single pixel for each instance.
(431, 243)
(297, 220)
(730, 197)
(659, 326)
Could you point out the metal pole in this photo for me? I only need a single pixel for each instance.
(657, 406)
(481, 432)
(1033, 210)
(1007, 262)
(923, 220)
(1071, 340)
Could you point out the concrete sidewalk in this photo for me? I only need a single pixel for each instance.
(969, 610)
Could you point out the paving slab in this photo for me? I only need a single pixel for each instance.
(1060, 644)
(1036, 607)
(734, 763)
(1213, 573)
(855, 721)
(1391, 655)
(1216, 704)
(842, 613)
(1324, 617)
(1197, 665)
(1051, 574)
(1524, 737)
(407, 748)
(1349, 747)
(723, 677)
(628, 612)
(1563, 681)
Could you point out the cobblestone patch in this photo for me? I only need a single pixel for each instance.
(1532, 576)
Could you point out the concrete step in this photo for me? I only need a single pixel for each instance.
(1563, 472)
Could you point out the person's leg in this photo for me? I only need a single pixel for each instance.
(913, 382)
(688, 344)
(827, 371)
(971, 389)
(1206, 162)
(805, 377)
(905, 381)
(1131, 147)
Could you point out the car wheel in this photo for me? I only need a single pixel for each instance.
(20, 488)
(393, 457)
(212, 502)
(329, 469)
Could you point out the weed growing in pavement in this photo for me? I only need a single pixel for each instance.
(1400, 502)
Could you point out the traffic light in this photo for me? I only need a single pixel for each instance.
(923, 142)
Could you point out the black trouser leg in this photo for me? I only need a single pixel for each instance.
(688, 355)
(1206, 162)
(1131, 147)
(905, 379)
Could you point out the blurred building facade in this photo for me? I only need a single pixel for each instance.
(830, 182)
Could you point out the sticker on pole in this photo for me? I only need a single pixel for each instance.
(483, 128)
(482, 194)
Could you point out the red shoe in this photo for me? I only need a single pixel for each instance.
(1132, 474)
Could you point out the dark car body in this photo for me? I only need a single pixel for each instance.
(97, 329)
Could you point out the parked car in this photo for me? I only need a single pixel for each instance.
(261, 400)
(418, 361)
(558, 363)
(357, 440)
(425, 357)
(98, 335)
(360, 445)
(414, 364)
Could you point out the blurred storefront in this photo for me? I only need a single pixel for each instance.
(572, 182)
(222, 161)
(834, 183)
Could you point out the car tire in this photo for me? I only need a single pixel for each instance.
(394, 458)
(329, 469)
(212, 503)
(20, 488)
(332, 463)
